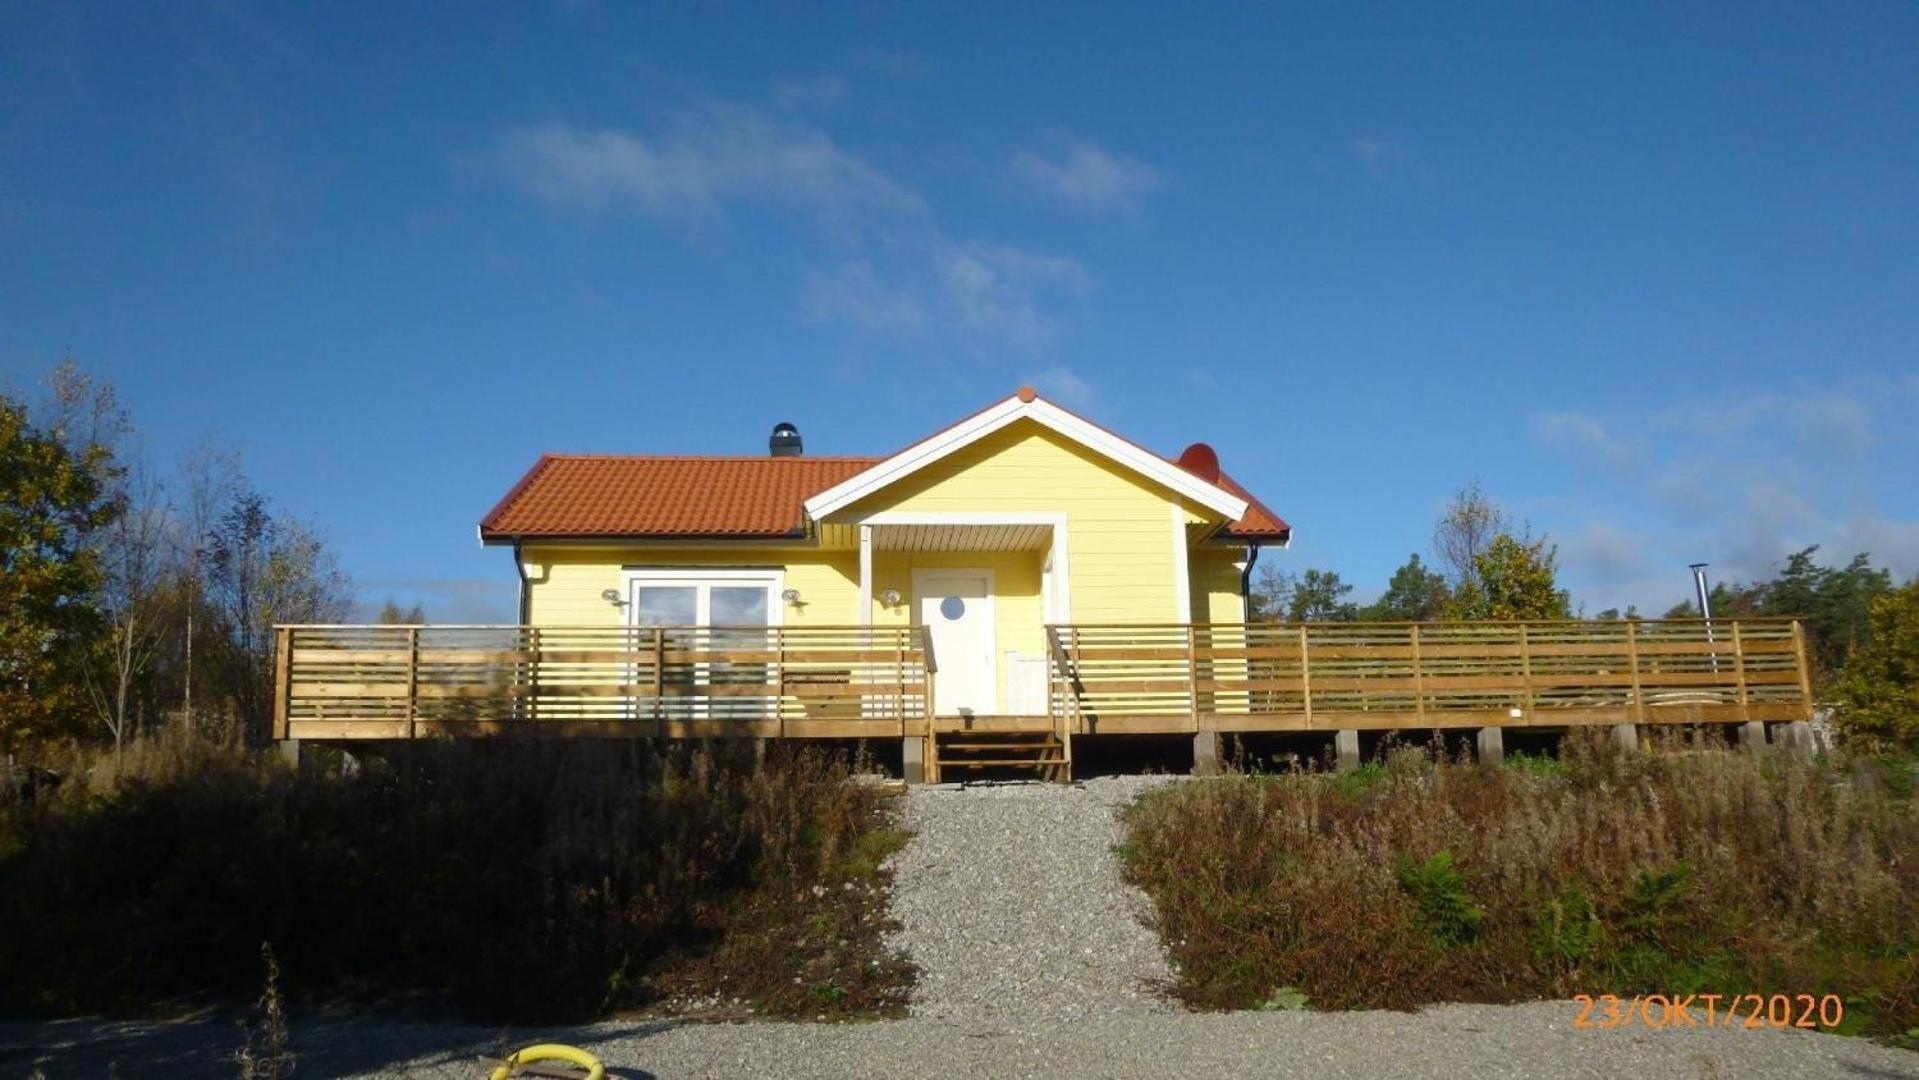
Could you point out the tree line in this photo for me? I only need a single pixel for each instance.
(1862, 627)
(131, 595)
(1488, 568)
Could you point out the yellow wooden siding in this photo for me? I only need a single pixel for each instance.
(566, 581)
(1215, 579)
(1119, 526)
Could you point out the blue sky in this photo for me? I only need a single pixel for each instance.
(1648, 272)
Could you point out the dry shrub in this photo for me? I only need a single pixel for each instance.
(520, 881)
(1686, 870)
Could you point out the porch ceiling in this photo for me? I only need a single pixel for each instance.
(962, 537)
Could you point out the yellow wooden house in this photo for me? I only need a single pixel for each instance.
(1015, 581)
(1022, 516)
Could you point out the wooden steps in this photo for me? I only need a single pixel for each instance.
(1041, 752)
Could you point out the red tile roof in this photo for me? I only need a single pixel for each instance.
(1258, 522)
(582, 496)
(588, 495)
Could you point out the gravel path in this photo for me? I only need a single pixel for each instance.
(1034, 961)
(1012, 906)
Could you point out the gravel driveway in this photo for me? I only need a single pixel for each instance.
(1035, 962)
(1012, 906)
(1443, 1043)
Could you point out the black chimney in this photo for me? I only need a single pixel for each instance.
(785, 441)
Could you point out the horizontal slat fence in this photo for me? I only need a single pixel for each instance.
(385, 682)
(388, 682)
(1330, 676)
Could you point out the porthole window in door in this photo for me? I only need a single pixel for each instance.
(952, 608)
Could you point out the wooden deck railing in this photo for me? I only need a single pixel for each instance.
(1329, 676)
(396, 682)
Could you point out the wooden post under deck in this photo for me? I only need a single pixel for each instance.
(1305, 680)
(1526, 669)
(1419, 680)
(533, 673)
(926, 705)
(1739, 672)
(1632, 660)
(412, 682)
(1805, 673)
(282, 679)
(659, 682)
(1192, 678)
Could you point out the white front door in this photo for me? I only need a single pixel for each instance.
(956, 607)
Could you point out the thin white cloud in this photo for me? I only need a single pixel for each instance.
(1739, 482)
(1830, 421)
(855, 294)
(1087, 177)
(714, 157)
(997, 291)
(894, 270)
(987, 295)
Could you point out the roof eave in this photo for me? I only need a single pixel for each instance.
(502, 539)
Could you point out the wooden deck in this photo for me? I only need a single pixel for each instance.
(401, 682)
(1371, 676)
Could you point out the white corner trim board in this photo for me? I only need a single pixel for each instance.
(980, 425)
(1182, 568)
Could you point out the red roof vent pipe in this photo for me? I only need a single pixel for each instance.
(1200, 460)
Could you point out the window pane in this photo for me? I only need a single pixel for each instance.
(665, 605)
(739, 605)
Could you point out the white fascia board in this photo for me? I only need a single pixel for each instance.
(980, 425)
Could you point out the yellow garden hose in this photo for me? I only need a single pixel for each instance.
(571, 1055)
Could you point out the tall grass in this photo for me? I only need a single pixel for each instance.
(521, 882)
(1419, 882)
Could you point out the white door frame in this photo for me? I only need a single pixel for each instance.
(922, 578)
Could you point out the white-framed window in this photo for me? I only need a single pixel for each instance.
(707, 610)
(695, 596)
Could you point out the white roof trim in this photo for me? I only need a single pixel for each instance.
(980, 425)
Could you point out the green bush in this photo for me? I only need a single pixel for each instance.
(1443, 909)
(1877, 691)
(519, 881)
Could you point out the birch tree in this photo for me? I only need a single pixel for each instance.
(137, 557)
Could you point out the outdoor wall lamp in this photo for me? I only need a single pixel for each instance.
(612, 596)
(791, 596)
(890, 597)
